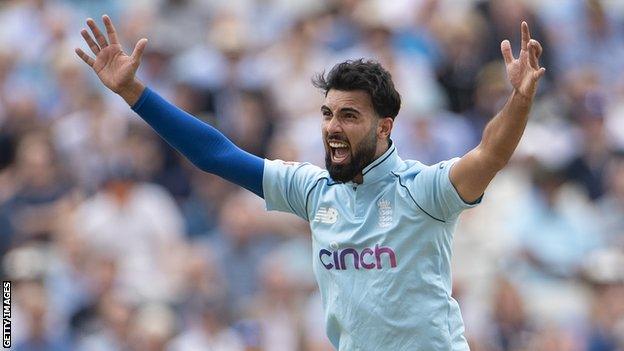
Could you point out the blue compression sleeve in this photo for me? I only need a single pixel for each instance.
(202, 144)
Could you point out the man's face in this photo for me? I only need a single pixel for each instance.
(349, 133)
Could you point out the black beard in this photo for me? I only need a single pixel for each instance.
(363, 156)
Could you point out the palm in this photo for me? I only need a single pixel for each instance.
(524, 71)
(112, 65)
(520, 73)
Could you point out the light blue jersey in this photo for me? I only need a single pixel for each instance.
(382, 250)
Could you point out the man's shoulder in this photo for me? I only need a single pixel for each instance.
(288, 185)
(409, 169)
(304, 166)
(413, 167)
(290, 169)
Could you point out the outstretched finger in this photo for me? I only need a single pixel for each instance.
(506, 51)
(101, 39)
(110, 30)
(539, 48)
(526, 35)
(533, 54)
(137, 53)
(86, 58)
(92, 45)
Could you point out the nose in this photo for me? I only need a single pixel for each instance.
(333, 126)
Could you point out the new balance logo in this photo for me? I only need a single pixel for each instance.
(327, 215)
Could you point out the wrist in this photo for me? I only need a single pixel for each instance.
(132, 92)
(521, 98)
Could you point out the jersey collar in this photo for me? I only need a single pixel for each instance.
(382, 166)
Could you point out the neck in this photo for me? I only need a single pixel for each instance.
(382, 147)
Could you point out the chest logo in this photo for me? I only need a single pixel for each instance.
(384, 210)
(367, 258)
(327, 215)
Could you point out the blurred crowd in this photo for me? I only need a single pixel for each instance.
(114, 242)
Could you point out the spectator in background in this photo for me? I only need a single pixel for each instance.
(183, 22)
(588, 167)
(152, 328)
(489, 96)
(40, 334)
(607, 318)
(209, 332)
(548, 224)
(463, 56)
(106, 324)
(596, 31)
(285, 278)
(140, 226)
(202, 282)
(39, 189)
(89, 139)
(611, 205)
(511, 325)
(241, 246)
(604, 274)
(294, 59)
(201, 208)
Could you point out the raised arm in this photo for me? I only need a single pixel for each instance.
(202, 144)
(474, 171)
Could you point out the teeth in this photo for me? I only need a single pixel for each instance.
(338, 145)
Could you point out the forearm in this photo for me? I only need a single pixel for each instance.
(202, 144)
(474, 171)
(502, 134)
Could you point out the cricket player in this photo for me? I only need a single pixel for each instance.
(382, 227)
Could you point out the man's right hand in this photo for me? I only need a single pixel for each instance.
(112, 65)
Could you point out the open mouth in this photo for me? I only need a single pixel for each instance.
(340, 152)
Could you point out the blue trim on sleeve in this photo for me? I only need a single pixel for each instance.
(137, 105)
(202, 144)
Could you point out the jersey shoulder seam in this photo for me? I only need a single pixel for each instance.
(298, 167)
(307, 198)
(414, 200)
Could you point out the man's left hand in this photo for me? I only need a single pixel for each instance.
(524, 71)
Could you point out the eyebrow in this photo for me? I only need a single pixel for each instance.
(342, 110)
(349, 109)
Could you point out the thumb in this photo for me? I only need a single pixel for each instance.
(137, 53)
(539, 73)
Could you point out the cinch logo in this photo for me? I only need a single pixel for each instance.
(368, 258)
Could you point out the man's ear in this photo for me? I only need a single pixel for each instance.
(384, 127)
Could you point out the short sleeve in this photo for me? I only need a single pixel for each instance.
(434, 191)
(287, 185)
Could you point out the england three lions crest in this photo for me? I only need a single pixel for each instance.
(384, 211)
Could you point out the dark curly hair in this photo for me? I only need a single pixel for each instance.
(369, 76)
